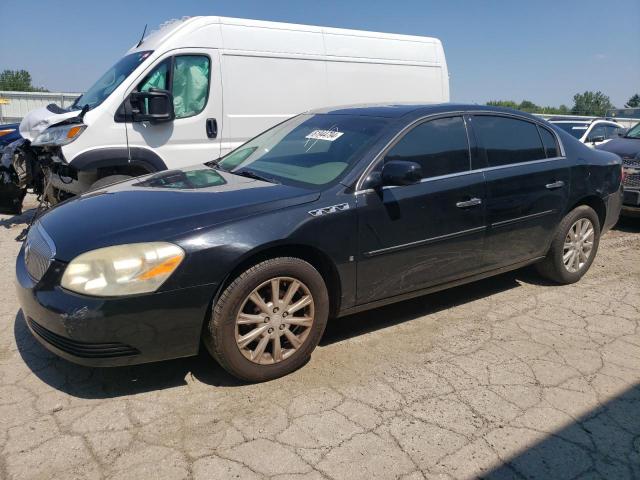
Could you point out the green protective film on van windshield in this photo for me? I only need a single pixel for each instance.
(190, 84)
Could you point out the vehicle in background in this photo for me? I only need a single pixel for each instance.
(199, 87)
(590, 132)
(329, 213)
(11, 194)
(628, 147)
(9, 133)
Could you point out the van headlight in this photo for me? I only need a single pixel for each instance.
(57, 136)
(122, 269)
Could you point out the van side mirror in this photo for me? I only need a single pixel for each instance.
(596, 139)
(153, 106)
(401, 172)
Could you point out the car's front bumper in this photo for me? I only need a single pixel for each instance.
(631, 201)
(104, 332)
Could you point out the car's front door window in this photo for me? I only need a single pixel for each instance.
(439, 146)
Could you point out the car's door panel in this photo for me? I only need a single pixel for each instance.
(415, 236)
(427, 233)
(525, 199)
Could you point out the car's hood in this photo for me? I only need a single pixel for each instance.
(625, 147)
(162, 206)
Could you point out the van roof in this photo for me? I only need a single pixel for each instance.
(188, 25)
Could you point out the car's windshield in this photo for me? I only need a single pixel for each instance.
(634, 132)
(576, 129)
(310, 151)
(108, 82)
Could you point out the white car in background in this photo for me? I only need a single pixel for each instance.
(590, 132)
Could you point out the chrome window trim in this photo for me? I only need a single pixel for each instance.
(462, 113)
(477, 170)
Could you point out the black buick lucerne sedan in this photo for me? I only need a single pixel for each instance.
(329, 213)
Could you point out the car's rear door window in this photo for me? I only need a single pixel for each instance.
(439, 146)
(507, 140)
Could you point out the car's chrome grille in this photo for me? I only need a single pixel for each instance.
(632, 179)
(39, 251)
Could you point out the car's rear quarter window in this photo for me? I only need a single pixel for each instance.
(549, 142)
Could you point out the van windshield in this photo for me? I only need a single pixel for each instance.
(309, 151)
(108, 82)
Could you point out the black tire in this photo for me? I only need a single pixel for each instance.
(219, 333)
(109, 180)
(553, 267)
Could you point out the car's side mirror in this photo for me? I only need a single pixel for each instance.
(622, 132)
(153, 106)
(401, 172)
(596, 139)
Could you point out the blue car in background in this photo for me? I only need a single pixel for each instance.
(9, 133)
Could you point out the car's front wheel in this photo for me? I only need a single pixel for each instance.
(573, 247)
(267, 321)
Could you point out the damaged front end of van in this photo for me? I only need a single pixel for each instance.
(31, 162)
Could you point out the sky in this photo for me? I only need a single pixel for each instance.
(544, 51)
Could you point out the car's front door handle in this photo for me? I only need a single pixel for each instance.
(474, 202)
(554, 185)
(212, 128)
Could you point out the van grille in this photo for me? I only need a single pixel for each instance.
(39, 251)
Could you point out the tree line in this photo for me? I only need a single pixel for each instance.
(18, 81)
(588, 103)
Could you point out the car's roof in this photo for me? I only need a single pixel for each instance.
(396, 110)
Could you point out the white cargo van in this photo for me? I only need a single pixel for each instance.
(198, 87)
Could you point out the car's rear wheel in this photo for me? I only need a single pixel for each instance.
(573, 247)
(267, 321)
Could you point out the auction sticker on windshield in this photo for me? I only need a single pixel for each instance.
(328, 135)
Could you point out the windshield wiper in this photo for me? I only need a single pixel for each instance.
(254, 175)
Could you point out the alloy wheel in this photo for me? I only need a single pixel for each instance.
(274, 320)
(578, 245)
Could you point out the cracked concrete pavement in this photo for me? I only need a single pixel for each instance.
(509, 377)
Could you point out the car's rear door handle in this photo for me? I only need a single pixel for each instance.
(212, 128)
(474, 202)
(554, 185)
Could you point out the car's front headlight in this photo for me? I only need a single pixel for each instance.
(122, 269)
(57, 136)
